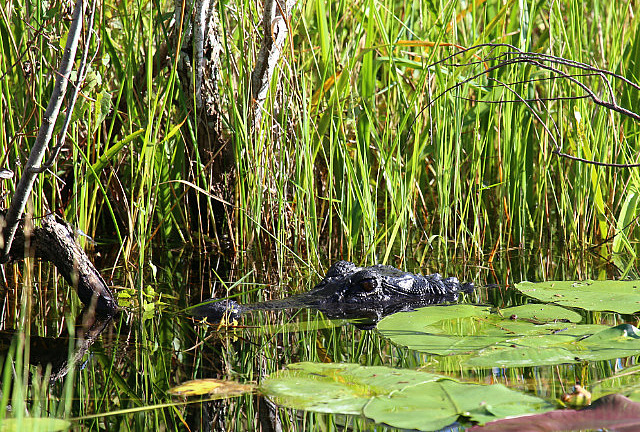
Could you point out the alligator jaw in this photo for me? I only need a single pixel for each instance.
(216, 310)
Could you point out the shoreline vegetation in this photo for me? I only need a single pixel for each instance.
(410, 139)
(266, 140)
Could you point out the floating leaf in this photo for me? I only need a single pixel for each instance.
(435, 405)
(611, 412)
(464, 329)
(616, 296)
(33, 424)
(542, 313)
(400, 398)
(336, 388)
(520, 336)
(210, 386)
(421, 330)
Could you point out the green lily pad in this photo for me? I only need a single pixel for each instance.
(429, 329)
(400, 398)
(529, 335)
(435, 405)
(34, 424)
(336, 388)
(542, 313)
(617, 296)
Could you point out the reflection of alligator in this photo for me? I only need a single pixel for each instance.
(349, 291)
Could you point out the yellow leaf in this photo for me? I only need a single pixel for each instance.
(211, 386)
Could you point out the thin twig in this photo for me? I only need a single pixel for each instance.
(549, 63)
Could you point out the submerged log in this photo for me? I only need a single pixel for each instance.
(55, 242)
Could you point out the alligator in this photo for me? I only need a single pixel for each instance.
(349, 292)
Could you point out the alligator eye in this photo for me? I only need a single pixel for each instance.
(368, 285)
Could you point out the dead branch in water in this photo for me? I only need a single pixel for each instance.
(55, 242)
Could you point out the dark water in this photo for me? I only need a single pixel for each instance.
(268, 341)
(155, 345)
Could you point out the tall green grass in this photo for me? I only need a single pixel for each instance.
(347, 161)
(353, 159)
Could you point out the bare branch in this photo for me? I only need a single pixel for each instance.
(82, 74)
(23, 190)
(550, 63)
(557, 146)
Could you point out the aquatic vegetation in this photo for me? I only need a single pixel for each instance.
(373, 144)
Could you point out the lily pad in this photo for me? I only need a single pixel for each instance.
(520, 336)
(34, 424)
(337, 388)
(542, 313)
(400, 398)
(617, 296)
(435, 405)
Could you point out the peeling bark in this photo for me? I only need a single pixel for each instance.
(275, 27)
(198, 68)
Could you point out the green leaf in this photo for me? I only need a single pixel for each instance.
(33, 424)
(435, 405)
(529, 335)
(103, 107)
(616, 296)
(400, 398)
(109, 154)
(628, 212)
(464, 329)
(429, 329)
(542, 313)
(337, 388)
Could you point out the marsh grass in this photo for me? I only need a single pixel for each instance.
(350, 160)
(347, 160)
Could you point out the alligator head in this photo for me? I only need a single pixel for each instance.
(349, 291)
(347, 283)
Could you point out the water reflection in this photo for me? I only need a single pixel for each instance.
(62, 353)
(167, 347)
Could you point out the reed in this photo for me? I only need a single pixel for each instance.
(362, 153)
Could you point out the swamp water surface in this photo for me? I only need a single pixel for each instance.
(487, 357)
